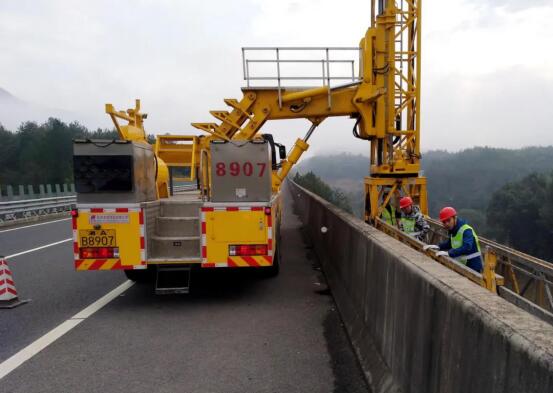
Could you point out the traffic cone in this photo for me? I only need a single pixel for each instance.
(8, 293)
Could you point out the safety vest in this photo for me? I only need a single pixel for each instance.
(408, 226)
(457, 242)
(389, 218)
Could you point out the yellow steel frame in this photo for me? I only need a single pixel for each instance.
(386, 103)
(177, 154)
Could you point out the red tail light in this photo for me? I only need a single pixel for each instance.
(267, 210)
(98, 252)
(247, 249)
(74, 213)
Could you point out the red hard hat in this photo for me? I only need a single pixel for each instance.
(446, 213)
(405, 202)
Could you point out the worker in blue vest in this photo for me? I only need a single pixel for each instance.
(412, 221)
(462, 244)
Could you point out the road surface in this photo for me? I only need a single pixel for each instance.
(236, 332)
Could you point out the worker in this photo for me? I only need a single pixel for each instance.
(390, 214)
(462, 244)
(412, 221)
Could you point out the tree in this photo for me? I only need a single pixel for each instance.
(519, 215)
(314, 184)
(41, 154)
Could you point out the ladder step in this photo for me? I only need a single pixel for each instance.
(223, 116)
(172, 280)
(233, 103)
(209, 127)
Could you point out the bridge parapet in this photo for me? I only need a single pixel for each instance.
(416, 325)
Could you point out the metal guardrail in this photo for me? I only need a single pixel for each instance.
(16, 210)
(485, 279)
(505, 270)
(28, 208)
(184, 187)
(525, 276)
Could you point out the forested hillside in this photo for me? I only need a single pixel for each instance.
(506, 194)
(42, 153)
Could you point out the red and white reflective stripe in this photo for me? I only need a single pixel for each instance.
(203, 242)
(270, 233)
(75, 238)
(142, 240)
(222, 264)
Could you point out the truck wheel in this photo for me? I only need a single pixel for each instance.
(138, 275)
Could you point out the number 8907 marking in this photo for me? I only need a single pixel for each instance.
(235, 169)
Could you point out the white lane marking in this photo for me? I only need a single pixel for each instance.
(7, 366)
(38, 248)
(34, 225)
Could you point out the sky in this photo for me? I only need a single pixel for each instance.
(487, 65)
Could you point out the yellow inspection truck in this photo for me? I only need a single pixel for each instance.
(157, 219)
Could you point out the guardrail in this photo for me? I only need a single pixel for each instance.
(528, 280)
(29, 208)
(519, 278)
(10, 193)
(184, 188)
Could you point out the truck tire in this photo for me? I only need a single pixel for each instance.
(139, 276)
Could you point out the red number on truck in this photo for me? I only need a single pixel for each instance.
(261, 166)
(234, 168)
(248, 168)
(220, 169)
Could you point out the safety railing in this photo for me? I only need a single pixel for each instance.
(286, 67)
(21, 192)
(488, 279)
(508, 272)
(16, 210)
(527, 279)
(180, 188)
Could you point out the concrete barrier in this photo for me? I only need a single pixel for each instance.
(417, 326)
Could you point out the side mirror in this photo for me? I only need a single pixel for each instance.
(282, 152)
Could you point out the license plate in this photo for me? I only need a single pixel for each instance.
(97, 238)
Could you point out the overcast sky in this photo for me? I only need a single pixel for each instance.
(487, 75)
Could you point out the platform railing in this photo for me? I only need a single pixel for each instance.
(323, 61)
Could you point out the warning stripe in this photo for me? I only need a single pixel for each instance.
(102, 264)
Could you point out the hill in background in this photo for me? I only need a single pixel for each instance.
(464, 179)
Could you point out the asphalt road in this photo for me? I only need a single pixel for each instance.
(235, 332)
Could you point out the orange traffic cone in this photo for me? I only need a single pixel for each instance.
(8, 293)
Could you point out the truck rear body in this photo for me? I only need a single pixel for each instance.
(122, 227)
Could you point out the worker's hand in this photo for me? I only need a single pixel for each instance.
(442, 254)
(430, 247)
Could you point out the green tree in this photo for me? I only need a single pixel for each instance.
(314, 184)
(519, 213)
(40, 154)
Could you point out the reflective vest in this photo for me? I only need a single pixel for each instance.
(457, 242)
(408, 226)
(389, 218)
